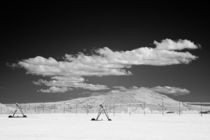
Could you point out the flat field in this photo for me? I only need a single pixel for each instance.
(122, 127)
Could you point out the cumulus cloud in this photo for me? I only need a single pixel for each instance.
(169, 44)
(55, 90)
(171, 90)
(166, 90)
(70, 71)
(68, 84)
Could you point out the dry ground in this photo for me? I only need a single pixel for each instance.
(122, 127)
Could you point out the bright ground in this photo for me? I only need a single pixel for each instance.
(122, 127)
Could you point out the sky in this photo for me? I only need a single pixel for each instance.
(53, 52)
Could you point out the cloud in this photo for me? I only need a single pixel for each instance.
(70, 71)
(69, 83)
(171, 90)
(55, 90)
(149, 56)
(166, 90)
(169, 44)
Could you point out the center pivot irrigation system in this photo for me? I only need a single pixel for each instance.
(202, 104)
(101, 110)
(18, 107)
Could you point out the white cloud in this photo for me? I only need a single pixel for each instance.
(68, 84)
(55, 90)
(70, 71)
(167, 90)
(171, 90)
(169, 44)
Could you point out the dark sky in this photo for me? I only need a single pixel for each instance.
(53, 30)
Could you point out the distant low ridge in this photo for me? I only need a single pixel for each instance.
(140, 100)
